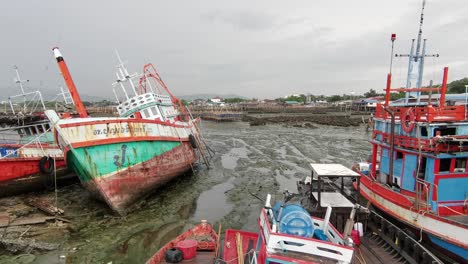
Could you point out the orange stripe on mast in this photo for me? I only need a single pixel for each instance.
(70, 84)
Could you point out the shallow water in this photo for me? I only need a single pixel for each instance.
(249, 162)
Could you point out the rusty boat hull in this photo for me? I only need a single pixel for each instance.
(120, 160)
(121, 189)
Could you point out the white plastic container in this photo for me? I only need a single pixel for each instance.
(358, 226)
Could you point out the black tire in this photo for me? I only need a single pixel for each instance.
(193, 141)
(46, 165)
(173, 255)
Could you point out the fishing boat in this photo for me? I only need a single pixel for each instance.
(376, 239)
(29, 158)
(286, 234)
(417, 172)
(121, 159)
(200, 244)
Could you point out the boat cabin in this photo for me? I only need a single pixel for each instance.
(423, 154)
(149, 99)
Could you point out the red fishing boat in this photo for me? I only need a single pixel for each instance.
(28, 163)
(29, 158)
(418, 168)
(199, 244)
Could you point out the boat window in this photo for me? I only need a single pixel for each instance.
(423, 131)
(146, 113)
(444, 165)
(460, 165)
(154, 111)
(399, 155)
(445, 131)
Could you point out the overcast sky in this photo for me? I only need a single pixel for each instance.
(261, 49)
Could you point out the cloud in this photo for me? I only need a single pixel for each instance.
(253, 48)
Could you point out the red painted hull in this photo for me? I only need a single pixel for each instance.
(122, 189)
(395, 204)
(19, 175)
(204, 234)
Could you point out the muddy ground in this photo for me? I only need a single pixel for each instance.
(344, 120)
(248, 162)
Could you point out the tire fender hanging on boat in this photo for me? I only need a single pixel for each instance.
(173, 255)
(408, 120)
(46, 164)
(193, 141)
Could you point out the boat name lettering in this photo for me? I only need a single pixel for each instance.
(118, 130)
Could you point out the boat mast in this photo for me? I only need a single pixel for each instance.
(24, 94)
(123, 76)
(70, 84)
(416, 61)
(20, 82)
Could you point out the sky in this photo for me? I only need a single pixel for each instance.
(256, 49)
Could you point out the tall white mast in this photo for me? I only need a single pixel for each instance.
(416, 61)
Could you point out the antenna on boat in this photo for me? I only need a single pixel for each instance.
(123, 76)
(416, 61)
(18, 79)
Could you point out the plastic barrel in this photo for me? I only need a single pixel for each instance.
(294, 220)
(188, 248)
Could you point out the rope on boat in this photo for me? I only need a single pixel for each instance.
(360, 257)
(452, 210)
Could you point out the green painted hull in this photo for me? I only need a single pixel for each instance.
(103, 160)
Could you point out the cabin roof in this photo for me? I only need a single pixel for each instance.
(332, 170)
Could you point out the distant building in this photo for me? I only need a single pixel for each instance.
(368, 102)
(269, 102)
(291, 103)
(199, 102)
(217, 99)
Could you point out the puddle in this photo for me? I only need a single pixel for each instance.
(212, 205)
(229, 160)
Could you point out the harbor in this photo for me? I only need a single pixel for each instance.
(257, 160)
(331, 159)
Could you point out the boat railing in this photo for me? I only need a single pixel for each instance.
(423, 190)
(35, 141)
(285, 242)
(434, 144)
(427, 113)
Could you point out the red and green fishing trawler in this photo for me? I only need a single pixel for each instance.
(121, 159)
(28, 153)
(418, 170)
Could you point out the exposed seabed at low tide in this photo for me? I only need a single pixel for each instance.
(249, 162)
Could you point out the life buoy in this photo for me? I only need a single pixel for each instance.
(203, 245)
(193, 141)
(46, 165)
(408, 120)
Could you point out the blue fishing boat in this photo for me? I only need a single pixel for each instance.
(418, 170)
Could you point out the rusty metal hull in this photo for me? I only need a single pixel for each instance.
(121, 189)
(120, 160)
